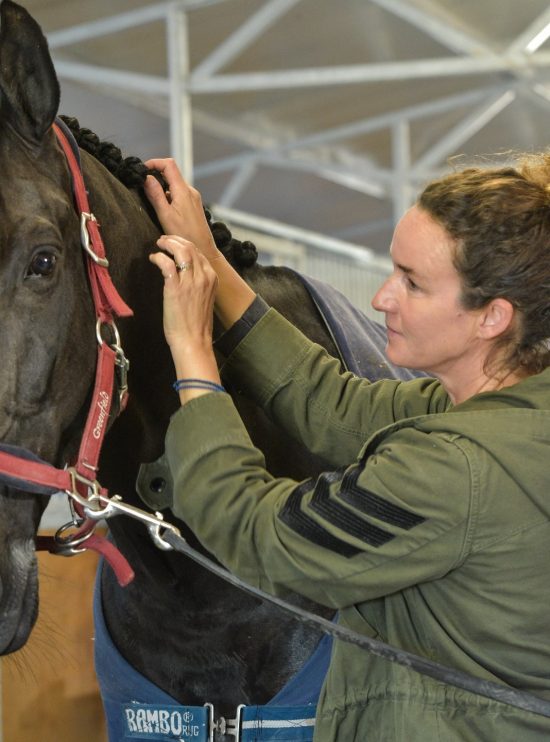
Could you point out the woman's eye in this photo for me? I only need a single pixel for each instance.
(412, 285)
(42, 264)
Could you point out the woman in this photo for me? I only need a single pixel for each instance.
(433, 532)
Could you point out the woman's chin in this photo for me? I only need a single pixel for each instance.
(400, 358)
(394, 355)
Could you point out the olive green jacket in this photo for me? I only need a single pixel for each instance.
(435, 538)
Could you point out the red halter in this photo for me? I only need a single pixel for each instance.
(80, 479)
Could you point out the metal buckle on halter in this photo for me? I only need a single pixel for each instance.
(94, 488)
(69, 545)
(85, 217)
(222, 725)
(114, 505)
(121, 362)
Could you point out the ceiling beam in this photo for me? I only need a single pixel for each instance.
(361, 254)
(246, 34)
(519, 60)
(181, 119)
(427, 19)
(347, 131)
(386, 120)
(237, 184)
(312, 77)
(369, 180)
(120, 22)
(533, 36)
(368, 73)
(463, 131)
(112, 78)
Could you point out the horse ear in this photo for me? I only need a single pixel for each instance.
(28, 84)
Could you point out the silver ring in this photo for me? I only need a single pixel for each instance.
(181, 267)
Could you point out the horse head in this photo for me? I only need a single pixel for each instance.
(46, 314)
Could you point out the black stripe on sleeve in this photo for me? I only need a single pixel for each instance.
(374, 505)
(298, 521)
(340, 516)
(343, 518)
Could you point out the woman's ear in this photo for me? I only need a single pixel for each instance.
(496, 318)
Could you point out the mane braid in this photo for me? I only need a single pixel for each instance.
(132, 172)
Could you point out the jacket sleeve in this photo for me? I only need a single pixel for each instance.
(386, 522)
(302, 389)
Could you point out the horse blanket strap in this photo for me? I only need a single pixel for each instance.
(360, 340)
(136, 708)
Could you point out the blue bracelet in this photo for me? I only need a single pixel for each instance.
(211, 386)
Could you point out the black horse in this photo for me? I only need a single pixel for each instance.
(193, 635)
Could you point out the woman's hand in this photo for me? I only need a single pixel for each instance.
(180, 211)
(189, 290)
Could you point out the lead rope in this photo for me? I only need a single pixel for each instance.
(97, 505)
(457, 678)
(487, 688)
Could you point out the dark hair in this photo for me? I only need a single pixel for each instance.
(499, 219)
(131, 171)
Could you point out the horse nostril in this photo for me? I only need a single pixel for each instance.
(157, 485)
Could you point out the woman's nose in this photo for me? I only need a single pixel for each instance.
(384, 300)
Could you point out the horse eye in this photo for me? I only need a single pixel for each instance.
(42, 264)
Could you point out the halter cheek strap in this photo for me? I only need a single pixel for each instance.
(107, 300)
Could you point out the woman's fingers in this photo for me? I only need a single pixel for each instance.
(169, 170)
(185, 258)
(180, 193)
(165, 264)
(156, 195)
(181, 250)
(179, 209)
(167, 166)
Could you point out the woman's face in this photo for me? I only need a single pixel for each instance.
(428, 328)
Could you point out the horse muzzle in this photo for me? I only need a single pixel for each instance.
(19, 518)
(18, 594)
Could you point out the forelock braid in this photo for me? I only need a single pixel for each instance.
(132, 172)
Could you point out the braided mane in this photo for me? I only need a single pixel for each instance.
(132, 172)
